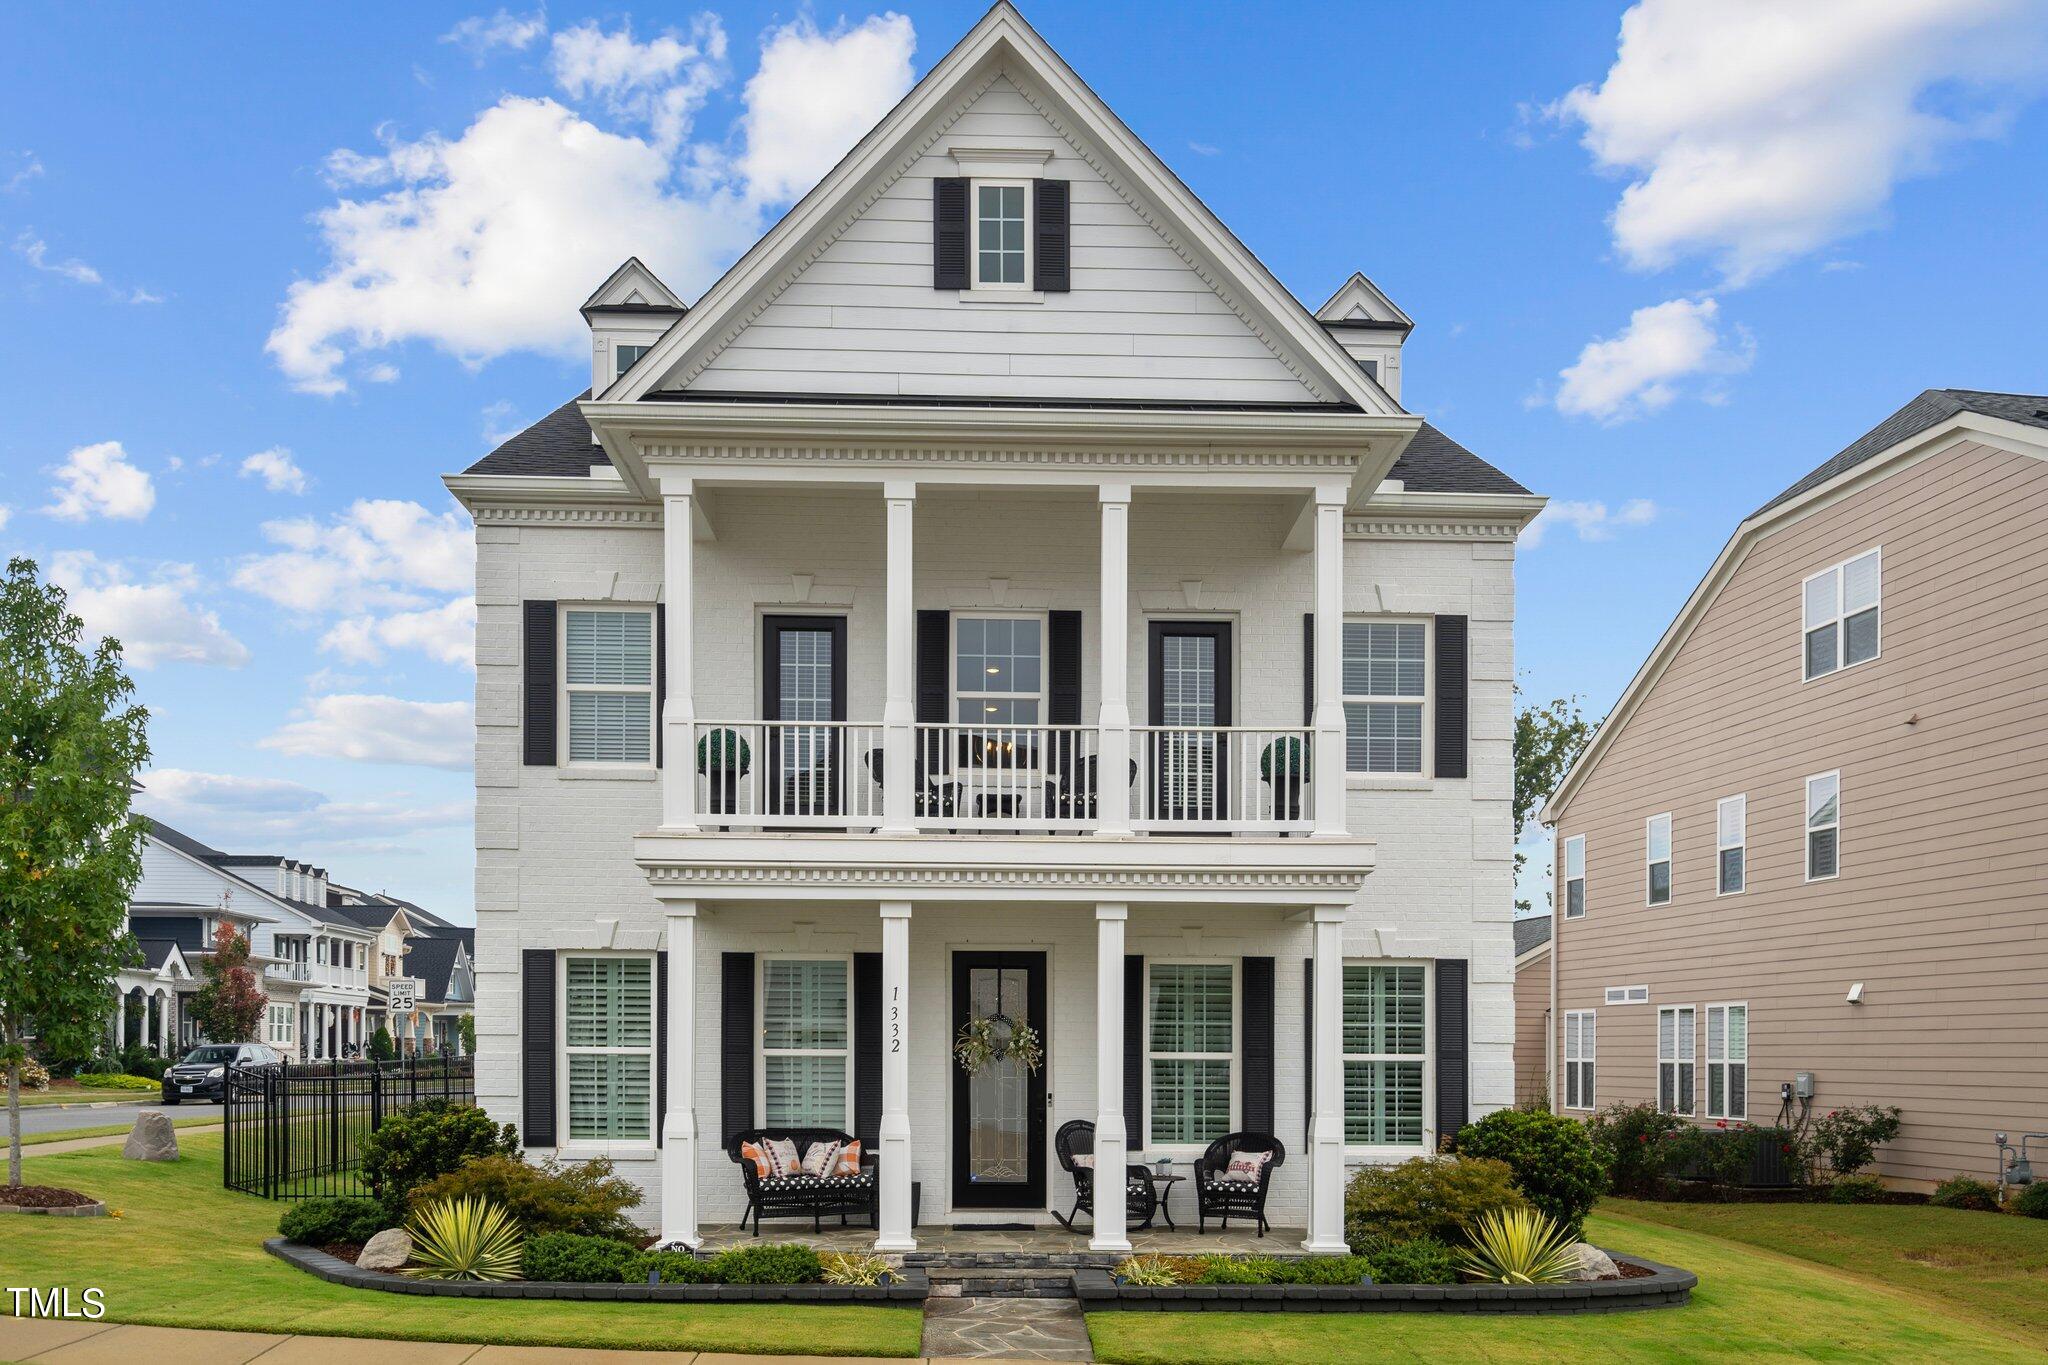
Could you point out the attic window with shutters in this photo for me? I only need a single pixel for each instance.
(1000, 231)
(1002, 247)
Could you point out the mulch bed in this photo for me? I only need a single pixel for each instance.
(344, 1251)
(43, 1197)
(1629, 1271)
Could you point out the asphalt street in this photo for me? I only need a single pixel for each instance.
(44, 1118)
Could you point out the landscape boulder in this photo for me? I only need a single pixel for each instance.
(1594, 1264)
(152, 1138)
(388, 1250)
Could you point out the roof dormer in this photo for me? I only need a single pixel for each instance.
(1370, 327)
(627, 314)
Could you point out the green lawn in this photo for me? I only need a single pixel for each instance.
(186, 1253)
(105, 1130)
(62, 1093)
(1751, 1303)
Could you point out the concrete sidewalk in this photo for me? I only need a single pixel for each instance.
(52, 1148)
(104, 1343)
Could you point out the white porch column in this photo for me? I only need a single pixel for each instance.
(895, 1233)
(1111, 1138)
(1327, 775)
(163, 1024)
(1113, 766)
(1326, 1124)
(679, 1124)
(121, 1020)
(678, 710)
(899, 712)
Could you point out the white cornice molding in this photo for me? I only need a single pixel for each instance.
(537, 514)
(1405, 528)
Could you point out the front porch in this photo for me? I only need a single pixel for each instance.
(1051, 1246)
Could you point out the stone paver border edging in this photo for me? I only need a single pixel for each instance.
(912, 1285)
(1666, 1286)
(67, 1211)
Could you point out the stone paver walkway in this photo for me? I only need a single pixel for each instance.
(1006, 1329)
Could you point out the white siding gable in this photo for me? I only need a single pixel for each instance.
(1141, 322)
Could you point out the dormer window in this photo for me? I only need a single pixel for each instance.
(629, 356)
(1002, 249)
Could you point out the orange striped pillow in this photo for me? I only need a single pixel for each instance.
(750, 1151)
(849, 1159)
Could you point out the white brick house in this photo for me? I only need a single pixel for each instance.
(923, 626)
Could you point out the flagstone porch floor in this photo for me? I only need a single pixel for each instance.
(1039, 1244)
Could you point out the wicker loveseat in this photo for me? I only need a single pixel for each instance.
(1217, 1197)
(799, 1196)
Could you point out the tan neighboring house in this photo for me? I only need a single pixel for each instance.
(1809, 839)
(1532, 1009)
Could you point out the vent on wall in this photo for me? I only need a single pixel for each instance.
(1628, 995)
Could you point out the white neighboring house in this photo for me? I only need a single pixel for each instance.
(931, 626)
(427, 959)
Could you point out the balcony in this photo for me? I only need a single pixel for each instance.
(318, 974)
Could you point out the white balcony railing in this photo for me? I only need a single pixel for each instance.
(1031, 777)
(788, 774)
(1235, 778)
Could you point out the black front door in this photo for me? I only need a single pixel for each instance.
(803, 678)
(999, 1109)
(1189, 686)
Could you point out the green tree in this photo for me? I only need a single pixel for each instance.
(229, 1007)
(1547, 739)
(465, 1024)
(71, 740)
(382, 1049)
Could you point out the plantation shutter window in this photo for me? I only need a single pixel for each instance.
(1677, 1055)
(1731, 840)
(1575, 877)
(1578, 1058)
(1823, 826)
(608, 1042)
(1657, 860)
(1385, 675)
(1728, 1061)
(1385, 1049)
(1191, 1051)
(1842, 606)
(608, 681)
(806, 1043)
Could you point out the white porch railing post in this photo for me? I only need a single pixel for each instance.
(1326, 777)
(1326, 1124)
(679, 1124)
(678, 711)
(899, 712)
(895, 1233)
(1113, 764)
(1111, 1136)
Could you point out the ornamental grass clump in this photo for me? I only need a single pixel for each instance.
(1520, 1246)
(1148, 1272)
(465, 1239)
(849, 1268)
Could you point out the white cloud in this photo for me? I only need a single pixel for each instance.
(377, 729)
(446, 633)
(30, 168)
(5, 513)
(36, 252)
(1755, 131)
(1204, 148)
(1622, 377)
(501, 423)
(153, 616)
(380, 551)
(230, 808)
(98, 481)
(481, 35)
(1591, 520)
(279, 472)
(484, 244)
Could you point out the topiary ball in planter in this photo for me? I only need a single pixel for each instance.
(723, 757)
(1284, 765)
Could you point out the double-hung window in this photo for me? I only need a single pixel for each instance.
(1578, 1058)
(608, 1041)
(1727, 1061)
(999, 669)
(1657, 860)
(1385, 679)
(628, 356)
(1385, 1046)
(280, 1018)
(1823, 826)
(806, 1043)
(1677, 1056)
(608, 673)
(1002, 243)
(1731, 845)
(1843, 605)
(1575, 877)
(1191, 1051)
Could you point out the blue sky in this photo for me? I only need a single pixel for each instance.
(267, 272)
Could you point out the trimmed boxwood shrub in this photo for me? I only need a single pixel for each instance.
(776, 1263)
(424, 1141)
(674, 1267)
(327, 1222)
(1966, 1192)
(572, 1258)
(1554, 1163)
(1438, 1197)
(1419, 1260)
(2031, 1201)
(1856, 1189)
(1329, 1270)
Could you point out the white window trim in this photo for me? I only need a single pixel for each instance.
(1840, 618)
(1588, 1058)
(1564, 874)
(1724, 1006)
(1674, 1061)
(1808, 829)
(1427, 771)
(1236, 965)
(1378, 1152)
(1042, 696)
(564, 689)
(1741, 801)
(1670, 860)
(619, 365)
(977, 285)
(761, 1049)
(1626, 995)
(583, 1148)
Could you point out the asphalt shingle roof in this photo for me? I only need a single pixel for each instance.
(431, 961)
(1531, 931)
(1930, 407)
(1434, 463)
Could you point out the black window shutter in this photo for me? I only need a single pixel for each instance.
(1308, 1047)
(1063, 668)
(537, 1044)
(660, 1043)
(867, 1053)
(735, 1045)
(1453, 1081)
(934, 666)
(538, 619)
(660, 674)
(1051, 249)
(1453, 669)
(1134, 1051)
(1256, 1111)
(949, 233)
(1308, 668)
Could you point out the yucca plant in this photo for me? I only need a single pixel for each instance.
(465, 1239)
(1519, 1246)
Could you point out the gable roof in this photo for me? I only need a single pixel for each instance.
(1932, 422)
(1360, 302)
(1000, 39)
(633, 288)
(1531, 933)
(431, 961)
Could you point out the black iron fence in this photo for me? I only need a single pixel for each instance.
(296, 1132)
